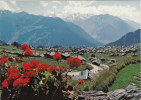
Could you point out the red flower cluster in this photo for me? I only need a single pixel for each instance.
(52, 68)
(24, 47)
(2, 61)
(63, 68)
(5, 83)
(27, 50)
(20, 77)
(80, 80)
(28, 69)
(57, 56)
(29, 74)
(74, 62)
(42, 67)
(12, 76)
(34, 63)
(12, 73)
(20, 82)
(13, 70)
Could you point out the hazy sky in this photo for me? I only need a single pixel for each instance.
(123, 9)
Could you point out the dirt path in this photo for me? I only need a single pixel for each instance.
(95, 69)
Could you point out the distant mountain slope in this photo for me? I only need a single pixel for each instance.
(128, 39)
(2, 43)
(132, 24)
(104, 28)
(38, 30)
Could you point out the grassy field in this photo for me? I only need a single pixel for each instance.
(107, 77)
(48, 61)
(127, 76)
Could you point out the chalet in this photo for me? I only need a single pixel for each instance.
(65, 55)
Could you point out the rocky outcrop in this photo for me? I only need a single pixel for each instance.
(93, 95)
(129, 93)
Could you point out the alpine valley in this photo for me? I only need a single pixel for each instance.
(86, 30)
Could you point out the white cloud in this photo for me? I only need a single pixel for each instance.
(54, 7)
(44, 3)
(80, 3)
(121, 11)
(13, 2)
(11, 5)
(5, 6)
(56, 2)
(128, 12)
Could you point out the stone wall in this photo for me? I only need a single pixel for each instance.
(129, 93)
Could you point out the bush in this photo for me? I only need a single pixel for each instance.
(74, 62)
(33, 80)
(29, 81)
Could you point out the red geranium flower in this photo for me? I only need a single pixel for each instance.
(29, 74)
(28, 52)
(12, 76)
(13, 70)
(74, 62)
(5, 83)
(63, 68)
(27, 67)
(57, 56)
(52, 68)
(34, 63)
(6, 74)
(80, 80)
(4, 59)
(24, 47)
(42, 67)
(20, 82)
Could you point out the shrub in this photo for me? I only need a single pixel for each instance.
(74, 62)
(33, 80)
(57, 56)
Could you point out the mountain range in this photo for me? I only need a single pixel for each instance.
(104, 28)
(39, 30)
(130, 38)
(74, 30)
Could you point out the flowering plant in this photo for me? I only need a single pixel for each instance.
(27, 50)
(32, 80)
(74, 62)
(57, 56)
